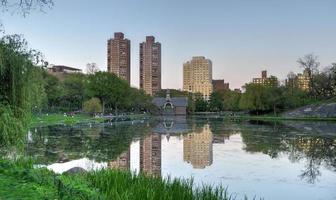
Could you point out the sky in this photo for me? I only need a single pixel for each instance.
(240, 37)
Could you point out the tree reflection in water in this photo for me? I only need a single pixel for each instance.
(310, 143)
(273, 139)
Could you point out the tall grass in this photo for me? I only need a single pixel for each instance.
(122, 185)
(39, 183)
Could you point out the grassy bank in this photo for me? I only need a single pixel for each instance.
(19, 180)
(263, 117)
(53, 119)
(278, 118)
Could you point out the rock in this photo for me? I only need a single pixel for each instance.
(75, 170)
(322, 111)
(63, 158)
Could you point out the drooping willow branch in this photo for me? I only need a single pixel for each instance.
(25, 6)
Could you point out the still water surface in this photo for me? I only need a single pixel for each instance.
(282, 160)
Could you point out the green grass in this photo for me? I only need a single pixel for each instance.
(53, 119)
(19, 180)
(279, 118)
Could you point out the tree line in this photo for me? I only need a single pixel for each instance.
(27, 87)
(272, 98)
(93, 93)
(261, 99)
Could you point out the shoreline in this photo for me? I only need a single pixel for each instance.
(57, 119)
(41, 183)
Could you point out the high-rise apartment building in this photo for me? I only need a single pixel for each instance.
(271, 81)
(303, 80)
(300, 81)
(197, 76)
(150, 66)
(119, 56)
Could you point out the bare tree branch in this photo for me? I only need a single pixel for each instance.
(25, 6)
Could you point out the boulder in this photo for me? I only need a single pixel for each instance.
(75, 170)
(318, 110)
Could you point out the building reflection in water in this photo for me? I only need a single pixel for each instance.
(122, 162)
(197, 147)
(150, 154)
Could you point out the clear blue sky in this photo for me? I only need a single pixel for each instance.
(241, 37)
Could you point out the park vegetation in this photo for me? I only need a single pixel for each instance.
(27, 88)
(40, 183)
(273, 99)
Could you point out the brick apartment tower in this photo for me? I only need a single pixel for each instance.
(119, 56)
(150, 66)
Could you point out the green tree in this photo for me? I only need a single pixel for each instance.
(92, 106)
(18, 86)
(115, 93)
(54, 91)
(274, 99)
(38, 95)
(74, 91)
(216, 101)
(231, 100)
(254, 98)
(201, 105)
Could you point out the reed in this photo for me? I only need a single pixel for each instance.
(39, 183)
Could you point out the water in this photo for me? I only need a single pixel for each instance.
(283, 160)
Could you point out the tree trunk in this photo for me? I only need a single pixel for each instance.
(103, 103)
(274, 110)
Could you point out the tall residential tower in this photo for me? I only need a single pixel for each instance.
(197, 76)
(119, 56)
(150, 66)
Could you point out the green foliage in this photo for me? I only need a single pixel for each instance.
(16, 65)
(19, 88)
(125, 185)
(231, 100)
(201, 105)
(11, 128)
(115, 93)
(93, 106)
(254, 98)
(216, 102)
(30, 183)
(74, 91)
(38, 97)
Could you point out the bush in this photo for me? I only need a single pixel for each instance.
(93, 106)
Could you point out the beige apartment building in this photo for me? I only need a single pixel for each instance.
(119, 56)
(197, 76)
(303, 80)
(300, 81)
(150, 66)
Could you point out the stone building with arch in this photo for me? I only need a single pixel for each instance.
(171, 105)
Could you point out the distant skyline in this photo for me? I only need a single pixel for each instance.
(240, 37)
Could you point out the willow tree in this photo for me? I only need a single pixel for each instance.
(17, 64)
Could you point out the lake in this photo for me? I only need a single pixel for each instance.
(270, 160)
